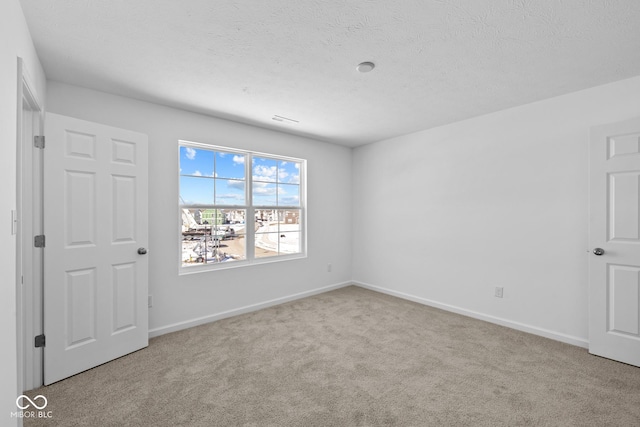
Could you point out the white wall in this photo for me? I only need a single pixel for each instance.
(445, 215)
(16, 42)
(186, 298)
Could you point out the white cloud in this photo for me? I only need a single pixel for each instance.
(190, 153)
(264, 190)
(239, 160)
(297, 165)
(235, 184)
(231, 196)
(265, 173)
(197, 173)
(289, 200)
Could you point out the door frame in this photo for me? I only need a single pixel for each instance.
(28, 222)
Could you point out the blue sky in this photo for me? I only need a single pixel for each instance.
(206, 173)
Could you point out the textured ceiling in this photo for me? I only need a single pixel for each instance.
(437, 61)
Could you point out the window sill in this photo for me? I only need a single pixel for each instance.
(205, 268)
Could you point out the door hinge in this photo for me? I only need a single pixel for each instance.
(38, 241)
(38, 141)
(40, 341)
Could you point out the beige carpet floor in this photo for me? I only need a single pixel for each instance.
(349, 357)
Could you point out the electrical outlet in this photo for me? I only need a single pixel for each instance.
(150, 301)
(499, 291)
(329, 268)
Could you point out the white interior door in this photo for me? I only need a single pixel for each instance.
(95, 210)
(614, 275)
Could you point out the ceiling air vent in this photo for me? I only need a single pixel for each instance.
(284, 119)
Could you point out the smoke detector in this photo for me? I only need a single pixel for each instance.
(365, 67)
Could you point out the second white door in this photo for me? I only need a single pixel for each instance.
(614, 236)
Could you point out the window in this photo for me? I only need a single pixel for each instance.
(239, 207)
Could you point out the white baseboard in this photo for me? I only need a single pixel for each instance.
(246, 309)
(569, 339)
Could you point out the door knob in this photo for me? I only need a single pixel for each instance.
(142, 251)
(598, 251)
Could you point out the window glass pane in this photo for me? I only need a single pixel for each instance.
(266, 238)
(277, 232)
(230, 165)
(196, 191)
(289, 172)
(264, 170)
(264, 194)
(196, 162)
(230, 192)
(208, 236)
(232, 246)
(288, 195)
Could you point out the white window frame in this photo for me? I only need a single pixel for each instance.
(250, 233)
